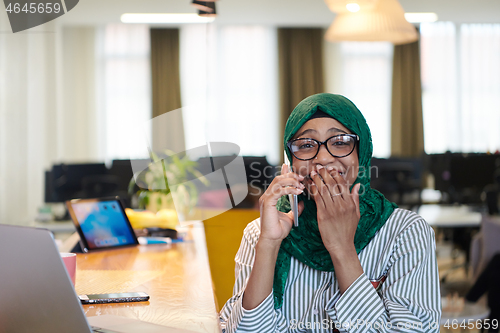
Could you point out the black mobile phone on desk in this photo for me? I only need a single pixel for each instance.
(113, 298)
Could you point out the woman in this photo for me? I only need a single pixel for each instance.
(355, 263)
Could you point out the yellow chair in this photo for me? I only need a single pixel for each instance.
(223, 234)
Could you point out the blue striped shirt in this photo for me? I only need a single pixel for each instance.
(400, 260)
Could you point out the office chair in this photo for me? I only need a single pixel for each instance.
(223, 234)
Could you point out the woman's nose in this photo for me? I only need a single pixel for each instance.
(323, 157)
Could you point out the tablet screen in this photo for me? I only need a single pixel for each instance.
(101, 223)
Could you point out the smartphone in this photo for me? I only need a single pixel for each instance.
(294, 201)
(113, 298)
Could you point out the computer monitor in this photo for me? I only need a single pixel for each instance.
(463, 177)
(397, 178)
(89, 180)
(64, 181)
(439, 166)
(470, 174)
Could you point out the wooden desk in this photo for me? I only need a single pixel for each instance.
(177, 278)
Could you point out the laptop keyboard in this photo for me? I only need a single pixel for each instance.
(101, 330)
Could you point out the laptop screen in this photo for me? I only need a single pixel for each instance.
(101, 223)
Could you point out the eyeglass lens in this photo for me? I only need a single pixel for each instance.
(338, 146)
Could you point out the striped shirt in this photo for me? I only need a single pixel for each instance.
(398, 291)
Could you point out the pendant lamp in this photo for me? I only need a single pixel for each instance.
(210, 13)
(206, 6)
(370, 20)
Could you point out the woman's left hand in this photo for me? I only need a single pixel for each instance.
(338, 209)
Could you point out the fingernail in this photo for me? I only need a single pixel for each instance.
(313, 173)
(330, 168)
(319, 166)
(301, 177)
(301, 185)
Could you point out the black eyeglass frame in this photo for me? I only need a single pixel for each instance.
(354, 136)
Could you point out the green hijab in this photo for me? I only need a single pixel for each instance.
(304, 242)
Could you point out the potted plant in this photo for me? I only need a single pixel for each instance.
(163, 176)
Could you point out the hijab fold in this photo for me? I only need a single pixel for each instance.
(304, 242)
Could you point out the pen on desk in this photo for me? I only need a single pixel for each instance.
(157, 240)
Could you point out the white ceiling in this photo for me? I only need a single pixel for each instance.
(285, 13)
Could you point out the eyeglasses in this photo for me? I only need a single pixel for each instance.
(338, 146)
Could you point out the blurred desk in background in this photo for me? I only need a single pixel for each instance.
(62, 230)
(457, 223)
(175, 276)
(444, 216)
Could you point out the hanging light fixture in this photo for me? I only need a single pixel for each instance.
(206, 6)
(208, 13)
(370, 20)
(342, 6)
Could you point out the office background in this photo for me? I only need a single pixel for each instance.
(75, 89)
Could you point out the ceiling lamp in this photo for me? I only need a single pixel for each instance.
(371, 20)
(206, 6)
(342, 6)
(208, 13)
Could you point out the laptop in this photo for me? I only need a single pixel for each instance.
(37, 295)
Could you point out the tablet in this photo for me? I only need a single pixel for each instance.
(101, 223)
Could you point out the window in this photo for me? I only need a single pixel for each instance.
(229, 86)
(366, 79)
(461, 87)
(124, 89)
